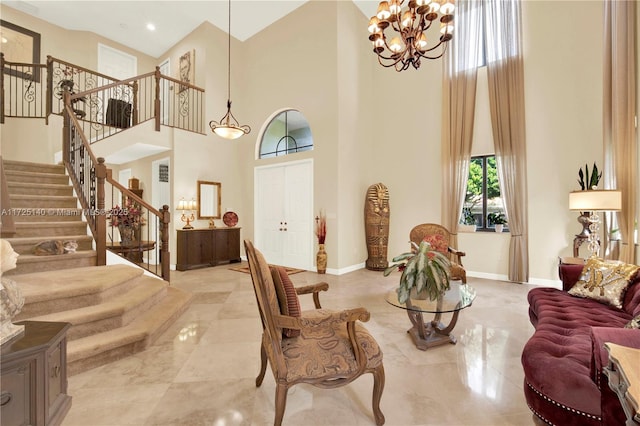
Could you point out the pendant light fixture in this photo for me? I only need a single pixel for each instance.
(228, 127)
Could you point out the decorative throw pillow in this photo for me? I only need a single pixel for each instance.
(605, 281)
(287, 297)
(634, 323)
(438, 242)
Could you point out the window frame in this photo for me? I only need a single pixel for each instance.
(484, 221)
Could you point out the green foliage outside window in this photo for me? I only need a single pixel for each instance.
(479, 183)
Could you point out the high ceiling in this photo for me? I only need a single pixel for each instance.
(125, 21)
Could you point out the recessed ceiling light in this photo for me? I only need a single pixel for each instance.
(151, 27)
(4, 40)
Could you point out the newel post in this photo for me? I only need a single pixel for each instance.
(66, 131)
(49, 89)
(135, 102)
(164, 241)
(101, 214)
(156, 104)
(1, 88)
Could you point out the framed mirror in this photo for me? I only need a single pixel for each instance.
(209, 196)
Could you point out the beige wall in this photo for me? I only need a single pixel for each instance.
(372, 124)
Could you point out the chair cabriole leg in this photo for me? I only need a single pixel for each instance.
(263, 366)
(378, 387)
(281, 402)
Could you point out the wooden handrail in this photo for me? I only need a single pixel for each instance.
(128, 193)
(51, 59)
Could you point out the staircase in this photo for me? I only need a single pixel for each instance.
(115, 313)
(115, 310)
(44, 208)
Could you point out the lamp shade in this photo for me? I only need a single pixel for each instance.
(595, 200)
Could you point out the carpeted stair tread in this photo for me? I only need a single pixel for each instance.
(37, 188)
(91, 351)
(42, 201)
(25, 245)
(13, 165)
(49, 230)
(116, 312)
(66, 283)
(40, 177)
(32, 258)
(47, 215)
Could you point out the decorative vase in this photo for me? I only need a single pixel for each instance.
(126, 235)
(321, 259)
(499, 228)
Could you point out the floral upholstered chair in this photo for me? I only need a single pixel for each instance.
(440, 239)
(320, 347)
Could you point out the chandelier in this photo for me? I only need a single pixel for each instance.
(411, 43)
(228, 127)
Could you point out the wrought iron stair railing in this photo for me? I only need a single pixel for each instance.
(148, 245)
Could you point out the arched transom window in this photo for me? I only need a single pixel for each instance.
(287, 133)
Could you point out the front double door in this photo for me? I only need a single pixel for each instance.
(284, 226)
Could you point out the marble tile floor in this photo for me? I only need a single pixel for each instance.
(202, 370)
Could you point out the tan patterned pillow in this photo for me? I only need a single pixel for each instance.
(634, 323)
(605, 281)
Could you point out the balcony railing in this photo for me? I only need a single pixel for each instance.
(104, 105)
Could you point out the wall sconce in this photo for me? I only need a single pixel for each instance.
(187, 207)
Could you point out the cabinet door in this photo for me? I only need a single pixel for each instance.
(17, 389)
(55, 378)
(206, 247)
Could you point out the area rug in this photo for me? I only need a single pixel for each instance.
(245, 269)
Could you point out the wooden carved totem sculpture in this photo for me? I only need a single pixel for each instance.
(376, 223)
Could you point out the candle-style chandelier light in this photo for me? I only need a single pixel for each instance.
(413, 40)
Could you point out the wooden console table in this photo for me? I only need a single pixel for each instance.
(34, 375)
(624, 379)
(200, 248)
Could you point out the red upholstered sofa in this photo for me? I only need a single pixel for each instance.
(563, 379)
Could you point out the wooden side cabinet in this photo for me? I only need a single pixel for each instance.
(33, 383)
(200, 248)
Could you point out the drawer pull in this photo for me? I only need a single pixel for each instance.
(5, 398)
(55, 371)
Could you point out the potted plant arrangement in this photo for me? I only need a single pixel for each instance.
(128, 219)
(468, 222)
(425, 273)
(498, 220)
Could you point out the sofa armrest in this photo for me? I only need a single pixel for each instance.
(569, 274)
(601, 335)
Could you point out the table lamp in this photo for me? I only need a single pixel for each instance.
(187, 206)
(593, 201)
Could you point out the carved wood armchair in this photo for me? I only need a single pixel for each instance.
(328, 349)
(440, 239)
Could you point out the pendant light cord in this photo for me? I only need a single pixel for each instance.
(229, 59)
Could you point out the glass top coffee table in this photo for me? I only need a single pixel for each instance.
(434, 333)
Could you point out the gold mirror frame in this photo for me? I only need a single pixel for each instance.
(209, 197)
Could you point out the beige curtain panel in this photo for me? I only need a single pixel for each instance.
(619, 112)
(505, 71)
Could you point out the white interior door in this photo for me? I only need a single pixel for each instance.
(284, 213)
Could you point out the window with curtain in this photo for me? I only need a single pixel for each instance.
(475, 19)
(483, 203)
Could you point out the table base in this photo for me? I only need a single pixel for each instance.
(433, 333)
